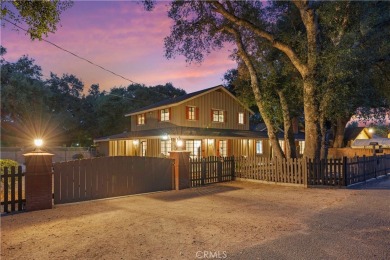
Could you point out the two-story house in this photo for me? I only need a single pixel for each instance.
(210, 122)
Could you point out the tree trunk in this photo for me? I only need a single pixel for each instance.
(313, 134)
(339, 133)
(289, 139)
(256, 91)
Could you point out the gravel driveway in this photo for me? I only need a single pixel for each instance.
(236, 220)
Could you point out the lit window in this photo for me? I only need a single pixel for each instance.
(218, 116)
(191, 113)
(143, 148)
(194, 146)
(141, 119)
(241, 120)
(166, 147)
(164, 114)
(281, 143)
(259, 147)
(223, 148)
(301, 147)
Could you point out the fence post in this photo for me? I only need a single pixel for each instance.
(182, 169)
(38, 180)
(345, 171)
(305, 172)
(219, 169)
(203, 172)
(6, 189)
(233, 167)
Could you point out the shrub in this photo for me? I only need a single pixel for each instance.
(7, 163)
(78, 156)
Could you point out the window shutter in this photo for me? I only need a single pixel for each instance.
(170, 114)
(159, 115)
(211, 115)
(225, 116)
(244, 118)
(187, 112)
(229, 148)
(145, 119)
(197, 113)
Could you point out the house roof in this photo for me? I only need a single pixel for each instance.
(194, 132)
(185, 132)
(364, 143)
(178, 100)
(351, 133)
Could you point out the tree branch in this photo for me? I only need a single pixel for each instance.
(301, 67)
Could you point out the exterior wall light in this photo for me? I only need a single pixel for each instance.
(179, 143)
(165, 137)
(135, 142)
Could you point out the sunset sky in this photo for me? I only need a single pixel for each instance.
(120, 36)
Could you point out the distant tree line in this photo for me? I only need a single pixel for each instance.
(60, 111)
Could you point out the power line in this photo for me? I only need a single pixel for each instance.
(76, 55)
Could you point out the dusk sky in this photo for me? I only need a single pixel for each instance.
(122, 37)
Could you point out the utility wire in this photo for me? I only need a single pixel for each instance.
(74, 54)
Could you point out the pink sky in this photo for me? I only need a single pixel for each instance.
(122, 37)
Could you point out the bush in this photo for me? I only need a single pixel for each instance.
(78, 156)
(7, 163)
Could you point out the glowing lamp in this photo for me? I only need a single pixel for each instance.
(135, 142)
(38, 143)
(371, 130)
(179, 143)
(165, 137)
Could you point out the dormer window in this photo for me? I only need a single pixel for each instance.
(141, 119)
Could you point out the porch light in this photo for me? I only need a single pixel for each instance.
(135, 142)
(165, 137)
(179, 143)
(371, 130)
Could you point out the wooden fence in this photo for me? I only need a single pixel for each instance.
(12, 195)
(211, 170)
(106, 177)
(272, 170)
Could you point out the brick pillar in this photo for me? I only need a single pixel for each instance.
(182, 169)
(38, 180)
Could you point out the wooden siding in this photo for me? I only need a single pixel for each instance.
(213, 100)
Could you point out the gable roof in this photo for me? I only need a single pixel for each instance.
(352, 132)
(179, 100)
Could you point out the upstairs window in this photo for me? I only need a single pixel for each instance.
(218, 116)
(165, 114)
(192, 113)
(141, 119)
(241, 118)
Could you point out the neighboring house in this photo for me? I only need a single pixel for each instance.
(210, 122)
(353, 133)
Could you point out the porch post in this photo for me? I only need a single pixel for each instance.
(182, 169)
(38, 180)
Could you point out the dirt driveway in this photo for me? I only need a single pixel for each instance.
(237, 220)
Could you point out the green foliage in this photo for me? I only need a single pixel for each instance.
(78, 156)
(41, 17)
(7, 163)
